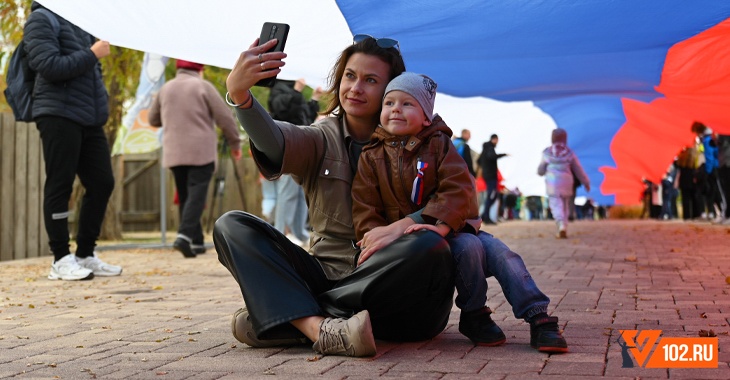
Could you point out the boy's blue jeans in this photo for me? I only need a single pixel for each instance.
(480, 256)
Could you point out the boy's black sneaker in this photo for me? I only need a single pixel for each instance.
(545, 335)
(479, 327)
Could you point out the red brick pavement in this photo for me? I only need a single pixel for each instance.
(169, 318)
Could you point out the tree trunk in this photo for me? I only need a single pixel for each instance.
(111, 229)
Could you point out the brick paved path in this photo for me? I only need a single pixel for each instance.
(169, 318)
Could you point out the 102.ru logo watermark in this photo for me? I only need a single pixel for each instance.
(668, 353)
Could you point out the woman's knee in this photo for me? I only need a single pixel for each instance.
(233, 222)
(238, 234)
(425, 247)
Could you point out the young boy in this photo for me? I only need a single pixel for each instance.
(560, 165)
(411, 165)
(412, 168)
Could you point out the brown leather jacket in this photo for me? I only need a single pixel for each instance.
(381, 191)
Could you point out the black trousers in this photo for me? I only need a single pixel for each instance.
(491, 198)
(192, 190)
(690, 203)
(407, 287)
(723, 174)
(70, 149)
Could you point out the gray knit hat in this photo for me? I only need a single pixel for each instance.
(418, 86)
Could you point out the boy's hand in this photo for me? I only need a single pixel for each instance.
(380, 237)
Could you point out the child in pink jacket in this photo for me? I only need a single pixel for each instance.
(558, 165)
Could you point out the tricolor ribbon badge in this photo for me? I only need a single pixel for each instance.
(417, 192)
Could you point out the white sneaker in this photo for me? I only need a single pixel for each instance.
(99, 267)
(68, 269)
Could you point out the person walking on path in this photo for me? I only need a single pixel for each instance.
(189, 107)
(294, 296)
(70, 108)
(723, 172)
(488, 163)
(712, 193)
(669, 192)
(560, 165)
(686, 181)
(430, 180)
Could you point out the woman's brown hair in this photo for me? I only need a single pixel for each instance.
(368, 46)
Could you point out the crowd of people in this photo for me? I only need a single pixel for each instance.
(564, 175)
(698, 180)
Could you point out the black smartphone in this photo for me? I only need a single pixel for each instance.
(270, 31)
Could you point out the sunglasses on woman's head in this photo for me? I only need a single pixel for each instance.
(384, 43)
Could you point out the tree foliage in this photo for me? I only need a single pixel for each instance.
(121, 67)
(12, 17)
(121, 71)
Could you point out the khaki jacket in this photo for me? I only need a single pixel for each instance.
(317, 159)
(383, 187)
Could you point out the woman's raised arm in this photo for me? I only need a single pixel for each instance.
(253, 65)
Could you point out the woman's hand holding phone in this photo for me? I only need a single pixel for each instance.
(252, 66)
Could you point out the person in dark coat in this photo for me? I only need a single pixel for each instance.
(70, 108)
(488, 163)
(723, 173)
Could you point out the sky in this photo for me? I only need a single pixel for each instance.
(318, 34)
(613, 73)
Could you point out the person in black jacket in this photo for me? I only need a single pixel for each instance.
(488, 163)
(70, 108)
(287, 103)
(723, 174)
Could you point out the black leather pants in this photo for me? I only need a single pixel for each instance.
(407, 287)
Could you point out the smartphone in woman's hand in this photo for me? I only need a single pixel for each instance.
(270, 31)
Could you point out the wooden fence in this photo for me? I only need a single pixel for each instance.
(21, 191)
(22, 174)
(141, 200)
